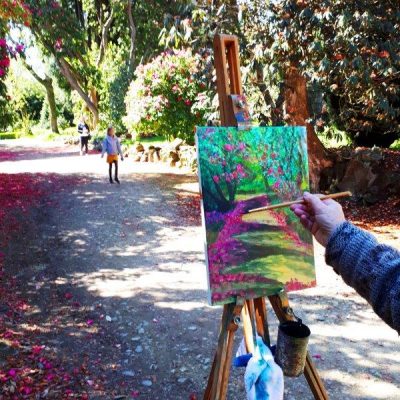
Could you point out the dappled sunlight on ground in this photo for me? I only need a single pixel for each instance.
(115, 281)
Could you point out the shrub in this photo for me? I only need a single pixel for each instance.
(161, 98)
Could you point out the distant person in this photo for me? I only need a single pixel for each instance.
(84, 135)
(112, 147)
(371, 268)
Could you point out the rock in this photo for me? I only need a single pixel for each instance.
(182, 380)
(129, 373)
(374, 155)
(151, 153)
(137, 156)
(176, 144)
(174, 156)
(108, 318)
(140, 148)
(147, 383)
(357, 178)
(188, 157)
(136, 338)
(192, 328)
(144, 157)
(157, 153)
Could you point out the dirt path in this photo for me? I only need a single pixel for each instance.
(116, 279)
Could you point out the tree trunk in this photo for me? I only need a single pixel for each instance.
(297, 114)
(132, 28)
(47, 82)
(69, 76)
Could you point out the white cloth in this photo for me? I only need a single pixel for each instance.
(263, 378)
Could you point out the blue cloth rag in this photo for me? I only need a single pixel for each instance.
(263, 378)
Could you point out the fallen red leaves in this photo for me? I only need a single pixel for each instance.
(29, 369)
(8, 155)
(189, 207)
(385, 213)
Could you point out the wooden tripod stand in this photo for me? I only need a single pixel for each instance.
(249, 313)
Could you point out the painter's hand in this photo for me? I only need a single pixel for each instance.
(319, 217)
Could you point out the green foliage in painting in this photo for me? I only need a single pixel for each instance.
(235, 162)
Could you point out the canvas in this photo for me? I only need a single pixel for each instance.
(253, 254)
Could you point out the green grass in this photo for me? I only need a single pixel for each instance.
(154, 140)
(49, 136)
(38, 132)
(8, 135)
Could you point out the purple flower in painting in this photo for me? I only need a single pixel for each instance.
(229, 147)
(216, 178)
(276, 185)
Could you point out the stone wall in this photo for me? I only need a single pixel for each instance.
(176, 154)
(370, 174)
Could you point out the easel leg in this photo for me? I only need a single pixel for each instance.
(217, 386)
(262, 319)
(248, 326)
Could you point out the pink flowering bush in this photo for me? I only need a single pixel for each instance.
(161, 98)
(7, 51)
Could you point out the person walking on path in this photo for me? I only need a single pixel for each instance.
(84, 135)
(372, 269)
(112, 147)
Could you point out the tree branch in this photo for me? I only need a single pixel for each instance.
(132, 28)
(66, 71)
(104, 37)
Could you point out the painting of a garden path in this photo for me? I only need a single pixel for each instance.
(253, 254)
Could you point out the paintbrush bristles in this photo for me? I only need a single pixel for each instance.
(301, 201)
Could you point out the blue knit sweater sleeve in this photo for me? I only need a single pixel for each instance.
(371, 268)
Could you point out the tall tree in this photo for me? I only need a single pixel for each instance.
(350, 50)
(47, 83)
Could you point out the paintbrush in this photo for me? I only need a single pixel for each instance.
(301, 201)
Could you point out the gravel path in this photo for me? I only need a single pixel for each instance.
(118, 278)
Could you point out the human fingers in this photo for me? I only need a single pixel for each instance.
(329, 202)
(299, 211)
(314, 202)
(306, 222)
(294, 207)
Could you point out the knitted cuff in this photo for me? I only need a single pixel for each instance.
(344, 245)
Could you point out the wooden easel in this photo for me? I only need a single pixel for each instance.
(248, 313)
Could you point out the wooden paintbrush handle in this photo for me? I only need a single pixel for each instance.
(301, 201)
